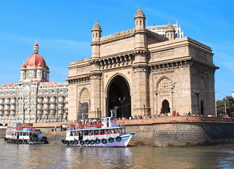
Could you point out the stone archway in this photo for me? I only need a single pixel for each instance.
(118, 91)
(83, 104)
(165, 107)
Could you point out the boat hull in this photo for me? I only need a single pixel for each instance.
(123, 142)
(15, 141)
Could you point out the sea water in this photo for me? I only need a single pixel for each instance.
(61, 156)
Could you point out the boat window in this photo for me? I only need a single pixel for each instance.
(90, 132)
(85, 132)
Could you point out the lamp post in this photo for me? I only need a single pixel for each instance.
(197, 92)
(121, 101)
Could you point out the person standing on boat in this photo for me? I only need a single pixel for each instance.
(17, 133)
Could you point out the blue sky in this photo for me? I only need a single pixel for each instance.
(63, 31)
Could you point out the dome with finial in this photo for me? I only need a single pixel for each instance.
(139, 13)
(35, 59)
(96, 27)
(170, 27)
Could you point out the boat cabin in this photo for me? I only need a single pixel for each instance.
(23, 133)
(108, 129)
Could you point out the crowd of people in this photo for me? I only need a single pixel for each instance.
(161, 115)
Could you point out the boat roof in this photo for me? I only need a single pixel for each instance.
(96, 128)
(24, 130)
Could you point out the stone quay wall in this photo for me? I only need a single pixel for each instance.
(182, 134)
(164, 131)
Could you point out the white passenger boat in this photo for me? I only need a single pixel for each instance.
(24, 135)
(104, 134)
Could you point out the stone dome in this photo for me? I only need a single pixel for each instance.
(96, 27)
(35, 59)
(139, 13)
(170, 27)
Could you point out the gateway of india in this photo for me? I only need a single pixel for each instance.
(139, 72)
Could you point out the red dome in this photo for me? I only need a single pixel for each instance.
(36, 44)
(35, 59)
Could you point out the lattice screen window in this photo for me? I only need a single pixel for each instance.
(84, 96)
(164, 85)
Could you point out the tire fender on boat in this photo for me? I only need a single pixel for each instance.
(118, 138)
(97, 141)
(81, 142)
(87, 141)
(92, 142)
(104, 141)
(111, 140)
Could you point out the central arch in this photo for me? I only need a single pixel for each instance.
(118, 96)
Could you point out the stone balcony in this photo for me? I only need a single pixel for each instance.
(7, 101)
(39, 100)
(61, 100)
(46, 100)
(1, 112)
(45, 112)
(52, 100)
(39, 112)
(13, 112)
(60, 112)
(6, 112)
(13, 101)
(13, 107)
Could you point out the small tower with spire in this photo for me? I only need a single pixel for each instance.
(170, 31)
(96, 34)
(139, 19)
(140, 31)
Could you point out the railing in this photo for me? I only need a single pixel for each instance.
(98, 125)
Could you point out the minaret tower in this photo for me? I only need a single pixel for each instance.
(140, 67)
(95, 74)
(170, 31)
(96, 34)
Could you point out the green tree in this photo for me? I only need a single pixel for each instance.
(220, 104)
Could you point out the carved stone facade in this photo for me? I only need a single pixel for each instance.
(34, 99)
(139, 72)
